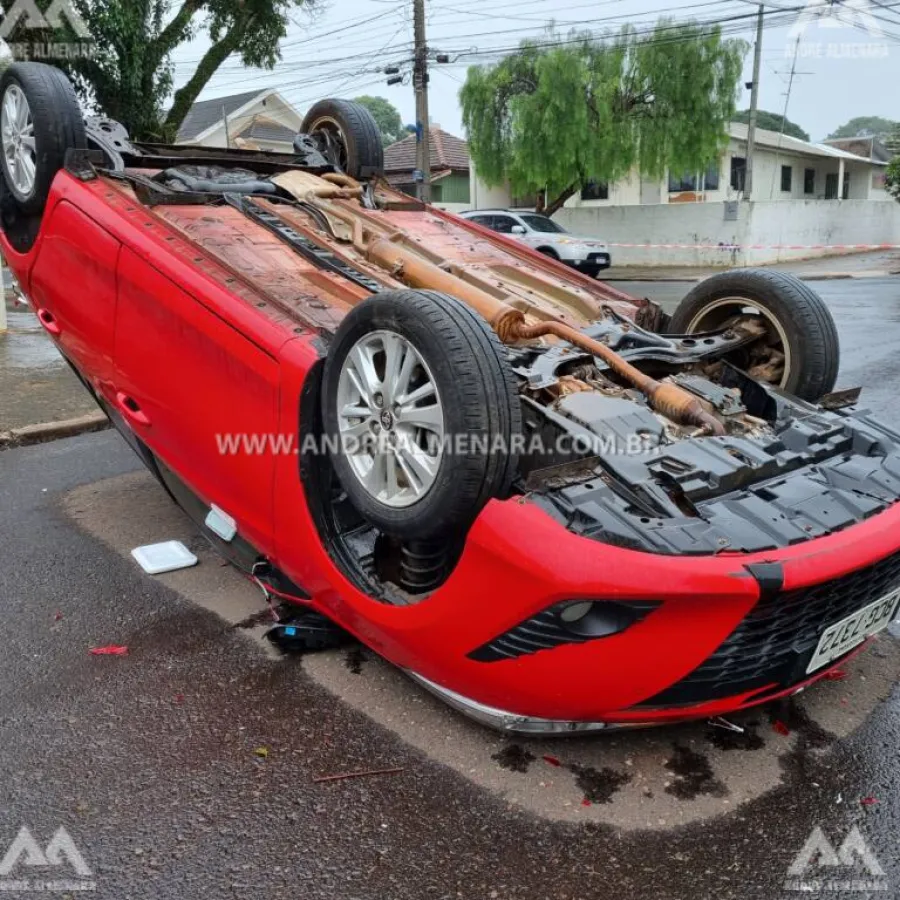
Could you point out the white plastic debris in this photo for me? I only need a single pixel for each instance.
(219, 522)
(168, 556)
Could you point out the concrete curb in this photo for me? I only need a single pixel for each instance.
(53, 431)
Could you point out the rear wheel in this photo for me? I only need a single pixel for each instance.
(798, 348)
(349, 134)
(39, 121)
(419, 396)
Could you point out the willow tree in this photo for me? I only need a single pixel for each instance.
(128, 76)
(560, 113)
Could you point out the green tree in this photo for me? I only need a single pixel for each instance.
(129, 76)
(772, 122)
(865, 126)
(557, 114)
(892, 178)
(386, 115)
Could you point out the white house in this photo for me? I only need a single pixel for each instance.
(784, 168)
(807, 200)
(254, 120)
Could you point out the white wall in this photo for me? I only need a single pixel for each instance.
(484, 197)
(789, 222)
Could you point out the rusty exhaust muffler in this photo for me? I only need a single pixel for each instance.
(510, 326)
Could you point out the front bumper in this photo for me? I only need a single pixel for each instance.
(592, 262)
(694, 656)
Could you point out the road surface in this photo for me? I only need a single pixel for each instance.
(185, 769)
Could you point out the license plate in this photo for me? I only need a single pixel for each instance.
(852, 631)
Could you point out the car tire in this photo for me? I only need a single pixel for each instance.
(796, 316)
(592, 271)
(49, 117)
(427, 485)
(350, 133)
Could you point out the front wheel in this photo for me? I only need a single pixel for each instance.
(421, 413)
(798, 349)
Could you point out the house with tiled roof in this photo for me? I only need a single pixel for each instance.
(252, 120)
(449, 166)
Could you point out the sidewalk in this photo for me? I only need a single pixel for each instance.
(875, 264)
(36, 385)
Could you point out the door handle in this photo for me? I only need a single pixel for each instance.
(48, 320)
(131, 409)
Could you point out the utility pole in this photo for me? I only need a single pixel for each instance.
(754, 105)
(420, 83)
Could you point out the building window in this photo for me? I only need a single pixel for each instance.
(787, 178)
(711, 177)
(809, 181)
(595, 190)
(738, 172)
(703, 181)
(677, 184)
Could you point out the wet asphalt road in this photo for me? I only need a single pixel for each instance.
(148, 760)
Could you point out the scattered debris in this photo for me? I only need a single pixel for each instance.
(722, 722)
(365, 774)
(748, 738)
(155, 559)
(261, 752)
(585, 802)
(780, 728)
(796, 719)
(57, 616)
(868, 801)
(111, 650)
(514, 758)
(552, 761)
(837, 675)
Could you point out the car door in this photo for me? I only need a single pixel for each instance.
(200, 394)
(73, 288)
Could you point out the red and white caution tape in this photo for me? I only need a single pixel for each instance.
(730, 247)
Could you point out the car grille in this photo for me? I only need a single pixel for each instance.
(774, 644)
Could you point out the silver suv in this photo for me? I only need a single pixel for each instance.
(588, 255)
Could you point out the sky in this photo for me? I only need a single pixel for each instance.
(846, 64)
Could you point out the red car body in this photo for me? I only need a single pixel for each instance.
(185, 346)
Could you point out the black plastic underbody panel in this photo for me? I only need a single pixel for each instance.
(820, 473)
(774, 644)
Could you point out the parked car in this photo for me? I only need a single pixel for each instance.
(551, 506)
(588, 255)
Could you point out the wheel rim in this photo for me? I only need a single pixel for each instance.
(17, 135)
(390, 418)
(335, 139)
(718, 313)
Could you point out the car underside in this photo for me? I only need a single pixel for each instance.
(532, 479)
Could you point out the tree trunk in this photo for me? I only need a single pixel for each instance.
(557, 204)
(215, 56)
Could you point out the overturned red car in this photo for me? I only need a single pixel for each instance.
(555, 506)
